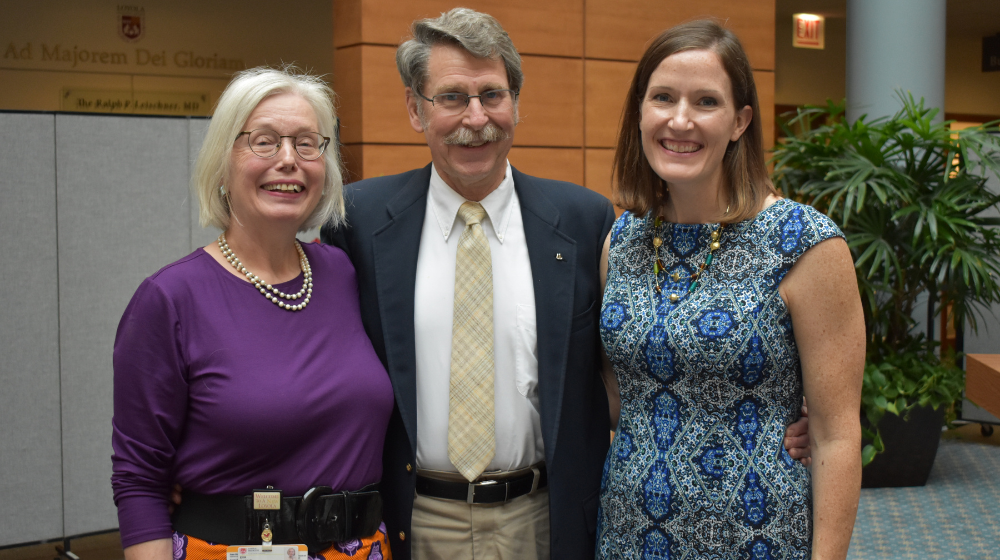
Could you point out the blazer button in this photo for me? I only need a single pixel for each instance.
(402, 536)
(409, 467)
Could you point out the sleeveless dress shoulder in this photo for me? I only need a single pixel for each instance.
(708, 384)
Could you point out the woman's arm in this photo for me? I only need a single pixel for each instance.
(607, 372)
(821, 293)
(150, 405)
(160, 549)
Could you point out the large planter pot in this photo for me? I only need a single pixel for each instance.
(910, 447)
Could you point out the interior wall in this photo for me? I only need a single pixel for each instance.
(809, 76)
(578, 60)
(66, 55)
(969, 90)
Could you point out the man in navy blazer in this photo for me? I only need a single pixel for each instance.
(539, 497)
(463, 78)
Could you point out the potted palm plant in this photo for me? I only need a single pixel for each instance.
(910, 195)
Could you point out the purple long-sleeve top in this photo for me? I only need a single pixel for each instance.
(222, 391)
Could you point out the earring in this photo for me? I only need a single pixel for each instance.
(222, 191)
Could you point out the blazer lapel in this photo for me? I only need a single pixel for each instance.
(553, 264)
(395, 246)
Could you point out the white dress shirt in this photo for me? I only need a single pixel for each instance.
(515, 358)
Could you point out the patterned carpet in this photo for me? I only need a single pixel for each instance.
(955, 517)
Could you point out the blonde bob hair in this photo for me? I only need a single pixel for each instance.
(242, 95)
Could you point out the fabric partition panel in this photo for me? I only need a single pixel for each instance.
(123, 213)
(197, 128)
(31, 484)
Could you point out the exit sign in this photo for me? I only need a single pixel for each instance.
(807, 31)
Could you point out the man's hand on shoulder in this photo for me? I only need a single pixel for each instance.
(797, 438)
(175, 498)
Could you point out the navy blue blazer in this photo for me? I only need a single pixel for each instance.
(385, 216)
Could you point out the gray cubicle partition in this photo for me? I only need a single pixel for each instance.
(30, 430)
(89, 206)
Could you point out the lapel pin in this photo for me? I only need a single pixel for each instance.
(559, 256)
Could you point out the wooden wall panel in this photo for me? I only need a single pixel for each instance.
(383, 107)
(364, 161)
(551, 103)
(621, 30)
(765, 97)
(346, 24)
(347, 82)
(351, 155)
(607, 85)
(570, 107)
(553, 27)
(598, 171)
(551, 163)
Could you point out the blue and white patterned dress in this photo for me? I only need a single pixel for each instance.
(708, 386)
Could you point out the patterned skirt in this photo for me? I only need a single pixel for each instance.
(375, 547)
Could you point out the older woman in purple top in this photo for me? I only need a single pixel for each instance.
(244, 366)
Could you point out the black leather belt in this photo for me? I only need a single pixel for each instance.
(484, 491)
(317, 519)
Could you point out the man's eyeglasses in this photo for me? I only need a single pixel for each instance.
(265, 143)
(492, 100)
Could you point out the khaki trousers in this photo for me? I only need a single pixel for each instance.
(450, 530)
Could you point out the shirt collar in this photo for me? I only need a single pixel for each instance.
(445, 202)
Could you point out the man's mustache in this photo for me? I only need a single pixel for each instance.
(466, 136)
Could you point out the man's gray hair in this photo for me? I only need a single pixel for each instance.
(478, 33)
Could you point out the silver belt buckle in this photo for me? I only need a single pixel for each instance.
(469, 499)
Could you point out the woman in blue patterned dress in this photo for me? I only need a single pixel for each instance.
(724, 305)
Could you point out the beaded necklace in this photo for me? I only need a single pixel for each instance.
(658, 266)
(274, 295)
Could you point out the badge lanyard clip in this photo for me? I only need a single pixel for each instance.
(267, 500)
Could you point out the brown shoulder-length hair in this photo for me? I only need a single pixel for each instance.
(639, 189)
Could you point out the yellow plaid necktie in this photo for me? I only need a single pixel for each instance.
(471, 440)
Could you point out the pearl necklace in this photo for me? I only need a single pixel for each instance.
(275, 295)
(658, 265)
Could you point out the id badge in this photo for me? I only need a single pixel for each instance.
(277, 552)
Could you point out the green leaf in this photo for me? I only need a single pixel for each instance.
(900, 404)
(867, 455)
(878, 378)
